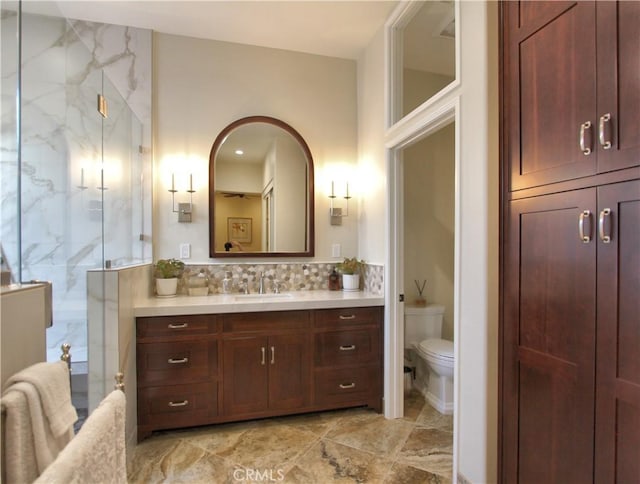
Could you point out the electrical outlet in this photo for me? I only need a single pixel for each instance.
(335, 250)
(185, 251)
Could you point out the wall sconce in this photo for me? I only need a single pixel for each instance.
(184, 209)
(336, 213)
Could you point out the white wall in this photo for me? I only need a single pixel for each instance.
(429, 219)
(200, 86)
(476, 422)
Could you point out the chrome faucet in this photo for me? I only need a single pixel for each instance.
(261, 289)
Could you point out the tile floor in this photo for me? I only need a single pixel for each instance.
(354, 445)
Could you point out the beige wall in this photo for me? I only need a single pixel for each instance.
(418, 86)
(429, 218)
(200, 86)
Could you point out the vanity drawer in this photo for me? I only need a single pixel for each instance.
(176, 326)
(344, 386)
(347, 347)
(325, 318)
(273, 321)
(182, 361)
(177, 405)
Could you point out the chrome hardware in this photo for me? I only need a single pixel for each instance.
(174, 361)
(586, 150)
(276, 287)
(273, 355)
(261, 289)
(178, 326)
(348, 348)
(244, 287)
(603, 215)
(585, 238)
(119, 378)
(262, 361)
(606, 144)
(344, 386)
(352, 316)
(183, 403)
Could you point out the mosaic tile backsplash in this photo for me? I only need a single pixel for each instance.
(290, 276)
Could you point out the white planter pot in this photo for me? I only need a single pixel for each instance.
(350, 282)
(167, 287)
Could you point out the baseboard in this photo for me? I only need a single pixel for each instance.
(439, 405)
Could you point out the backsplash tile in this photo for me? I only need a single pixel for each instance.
(291, 276)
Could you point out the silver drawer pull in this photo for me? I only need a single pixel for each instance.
(183, 403)
(584, 147)
(606, 238)
(585, 237)
(347, 348)
(344, 386)
(176, 361)
(178, 326)
(352, 316)
(604, 120)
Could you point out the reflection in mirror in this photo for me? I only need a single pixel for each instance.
(428, 54)
(260, 191)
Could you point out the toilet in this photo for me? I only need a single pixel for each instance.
(432, 356)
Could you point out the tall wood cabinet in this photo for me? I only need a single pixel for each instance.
(570, 242)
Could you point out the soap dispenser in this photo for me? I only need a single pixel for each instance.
(334, 280)
(227, 283)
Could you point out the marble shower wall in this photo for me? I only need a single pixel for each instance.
(86, 182)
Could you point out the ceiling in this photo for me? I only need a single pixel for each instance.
(332, 28)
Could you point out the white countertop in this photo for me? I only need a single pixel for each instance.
(239, 303)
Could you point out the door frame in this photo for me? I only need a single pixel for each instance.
(419, 128)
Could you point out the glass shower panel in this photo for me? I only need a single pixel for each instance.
(123, 190)
(9, 212)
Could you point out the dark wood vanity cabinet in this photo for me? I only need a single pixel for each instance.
(196, 370)
(570, 242)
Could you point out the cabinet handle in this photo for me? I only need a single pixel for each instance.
(351, 316)
(606, 238)
(586, 214)
(178, 326)
(183, 403)
(347, 348)
(176, 361)
(586, 150)
(262, 361)
(344, 386)
(604, 119)
(273, 355)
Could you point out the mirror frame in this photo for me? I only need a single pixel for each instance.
(310, 226)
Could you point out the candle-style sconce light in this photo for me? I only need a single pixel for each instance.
(184, 209)
(82, 186)
(336, 213)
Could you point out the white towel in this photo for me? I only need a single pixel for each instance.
(20, 456)
(97, 454)
(52, 383)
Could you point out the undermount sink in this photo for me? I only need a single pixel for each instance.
(263, 297)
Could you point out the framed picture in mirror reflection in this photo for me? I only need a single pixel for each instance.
(239, 229)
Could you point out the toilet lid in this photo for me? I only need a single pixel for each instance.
(440, 348)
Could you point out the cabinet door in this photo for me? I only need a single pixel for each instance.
(245, 382)
(549, 340)
(289, 371)
(550, 91)
(618, 84)
(618, 367)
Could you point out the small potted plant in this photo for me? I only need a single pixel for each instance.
(350, 269)
(167, 272)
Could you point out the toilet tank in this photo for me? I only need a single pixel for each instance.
(422, 323)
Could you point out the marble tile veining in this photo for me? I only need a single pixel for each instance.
(345, 446)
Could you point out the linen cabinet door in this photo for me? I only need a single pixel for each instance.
(618, 85)
(289, 371)
(550, 96)
(549, 339)
(618, 359)
(246, 376)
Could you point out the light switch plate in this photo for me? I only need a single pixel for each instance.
(335, 250)
(185, 251)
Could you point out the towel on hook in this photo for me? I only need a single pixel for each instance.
(97, 453)
(52, 383)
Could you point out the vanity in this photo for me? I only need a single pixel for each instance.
(223, 358)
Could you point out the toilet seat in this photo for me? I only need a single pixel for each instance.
(438, 349)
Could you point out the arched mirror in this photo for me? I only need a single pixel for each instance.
(260, 191)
